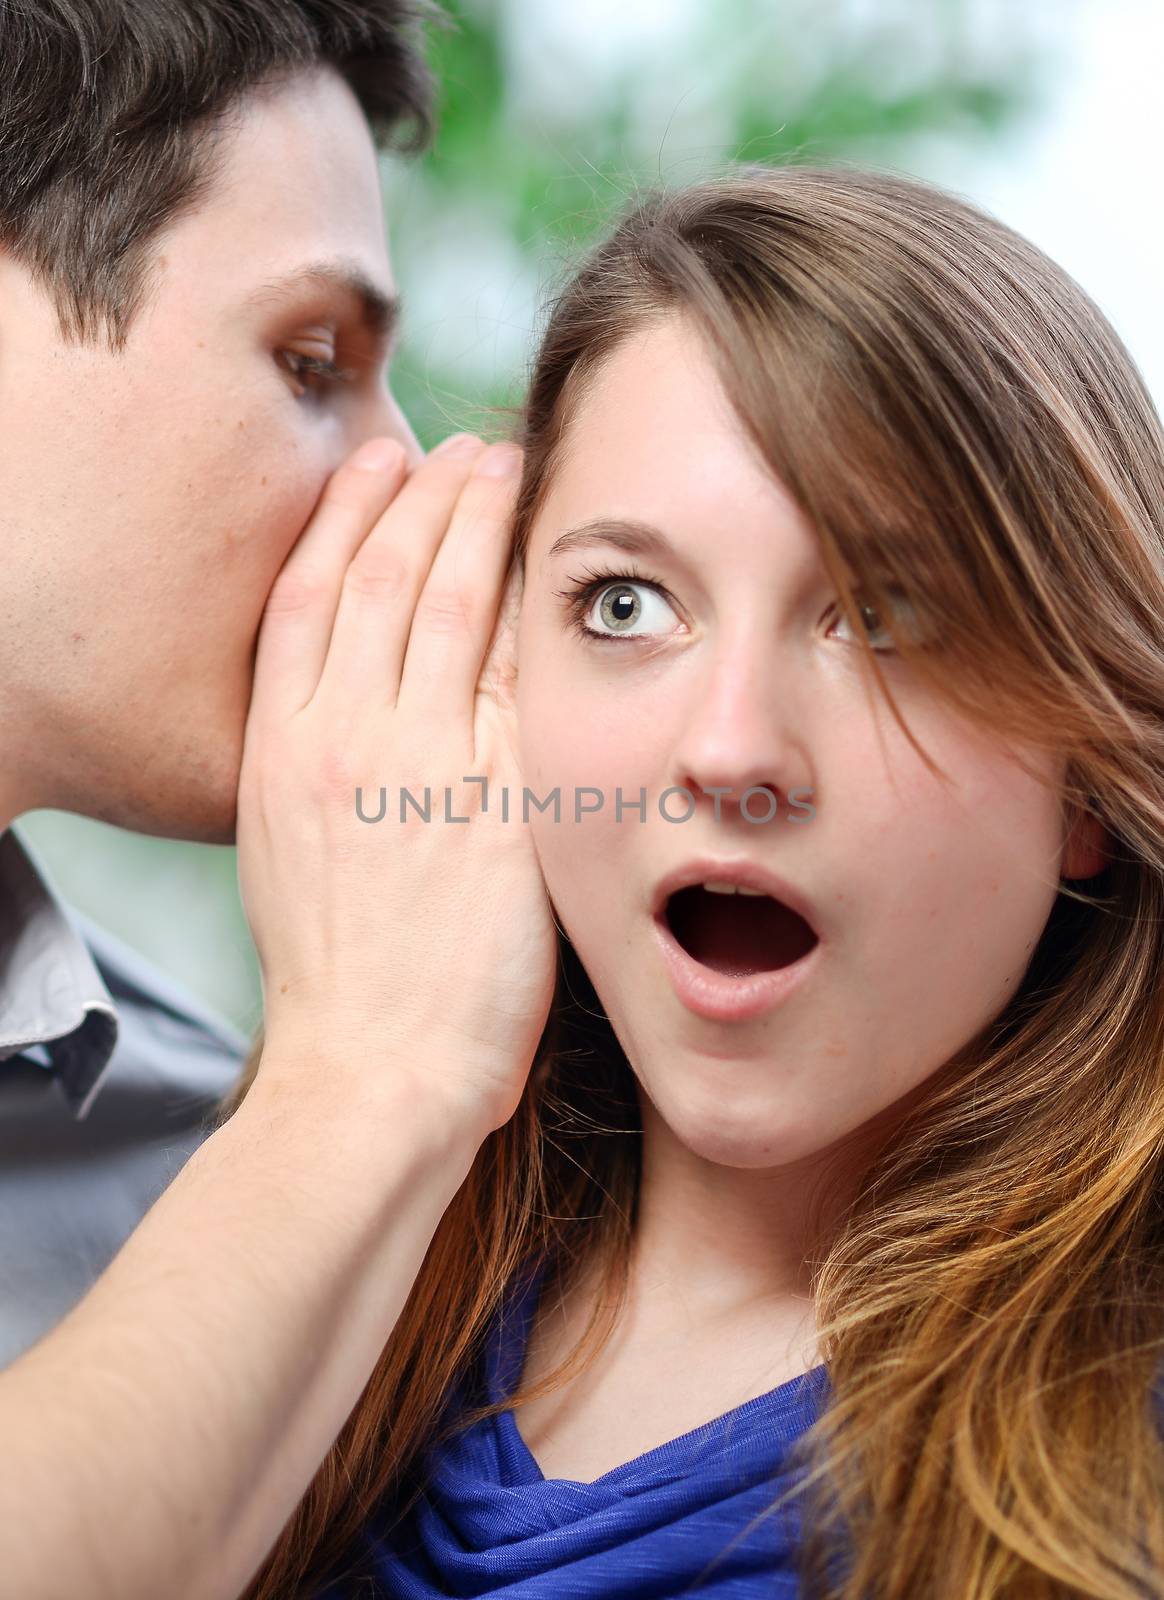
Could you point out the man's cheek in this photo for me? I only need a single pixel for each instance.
(283, 512)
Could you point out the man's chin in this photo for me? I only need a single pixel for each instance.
(199, 815)
(207, 830)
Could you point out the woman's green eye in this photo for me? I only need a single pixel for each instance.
(871, 621)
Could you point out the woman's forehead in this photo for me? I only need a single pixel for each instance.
(655, 452)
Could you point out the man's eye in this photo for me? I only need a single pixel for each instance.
(313, 372)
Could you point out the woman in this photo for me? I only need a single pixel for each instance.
(839, 546)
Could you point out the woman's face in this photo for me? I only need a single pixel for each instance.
(735, 672)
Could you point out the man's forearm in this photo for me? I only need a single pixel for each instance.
(157, 1440)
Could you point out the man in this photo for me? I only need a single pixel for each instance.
(196, 311)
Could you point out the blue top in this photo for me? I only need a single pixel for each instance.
(490, 1523)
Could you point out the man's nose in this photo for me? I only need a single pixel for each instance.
(385, 419)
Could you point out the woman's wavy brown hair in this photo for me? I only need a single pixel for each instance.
(957, 419)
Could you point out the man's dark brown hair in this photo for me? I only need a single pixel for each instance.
(109, 112)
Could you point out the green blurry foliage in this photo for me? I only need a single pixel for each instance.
(542, 141)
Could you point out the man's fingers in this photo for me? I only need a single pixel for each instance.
(299, 615)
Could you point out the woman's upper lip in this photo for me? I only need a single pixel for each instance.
(733, 869)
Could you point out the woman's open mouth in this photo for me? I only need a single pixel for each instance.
(732, 955)
(738, 932)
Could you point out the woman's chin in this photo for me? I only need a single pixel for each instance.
(727, 1128)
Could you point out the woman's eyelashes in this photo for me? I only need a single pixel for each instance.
(610, 600)
(902, 608)
(611, 597)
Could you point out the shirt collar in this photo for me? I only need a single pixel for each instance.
(51, 993)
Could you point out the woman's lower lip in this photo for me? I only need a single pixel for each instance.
(717, 996)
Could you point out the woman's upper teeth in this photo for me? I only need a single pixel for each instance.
(720, 887)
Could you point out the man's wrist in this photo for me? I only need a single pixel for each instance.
(347, 1091)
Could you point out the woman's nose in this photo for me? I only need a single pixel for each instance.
(742, 734)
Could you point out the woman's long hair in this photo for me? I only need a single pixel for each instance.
(957, 419)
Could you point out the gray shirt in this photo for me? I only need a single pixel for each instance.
(110, 1077)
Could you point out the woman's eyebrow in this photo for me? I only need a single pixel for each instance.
(636, 538)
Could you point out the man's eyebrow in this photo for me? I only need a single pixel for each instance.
(636, 538)
(379, 311)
